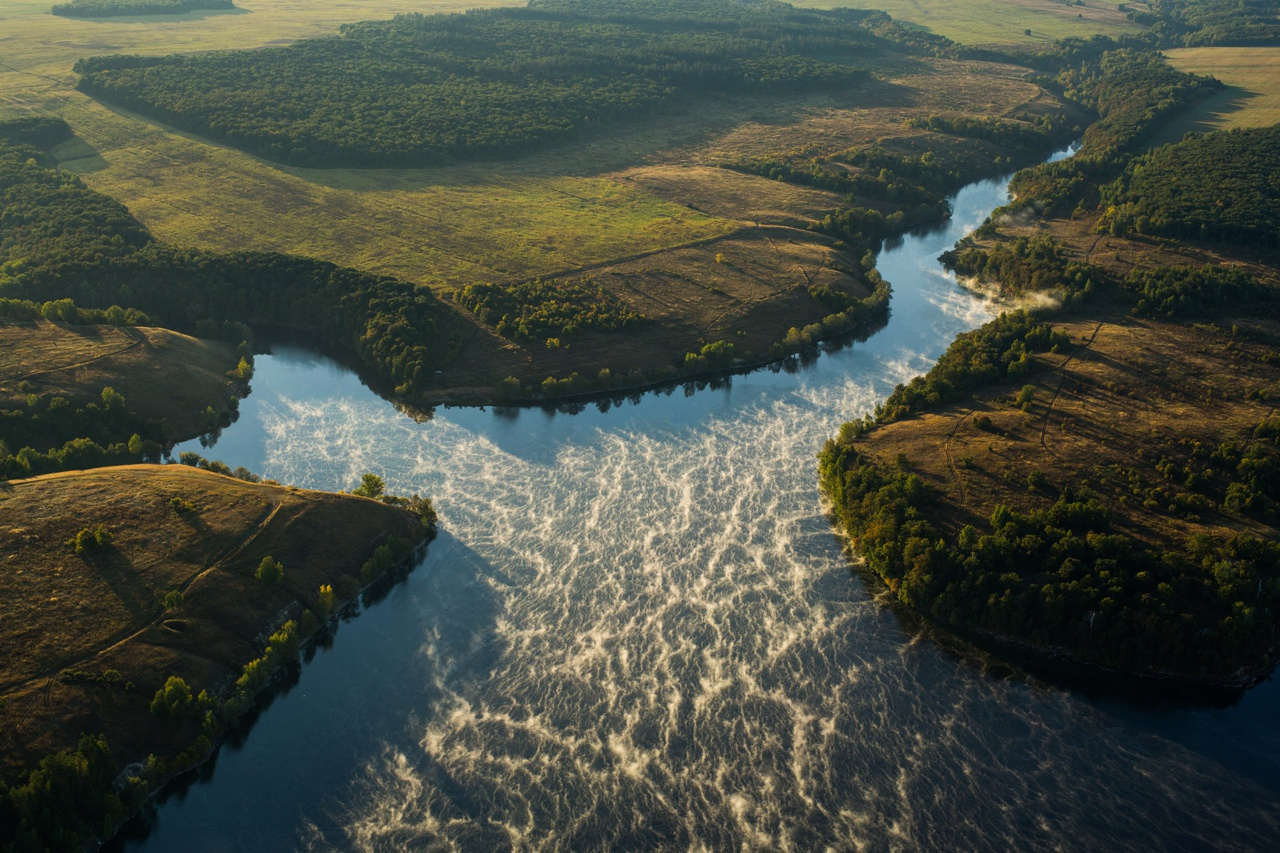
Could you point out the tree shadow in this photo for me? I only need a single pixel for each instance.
(1212, 114)
(77, 155)
(115, 570)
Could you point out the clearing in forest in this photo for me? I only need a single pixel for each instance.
(1252, 96)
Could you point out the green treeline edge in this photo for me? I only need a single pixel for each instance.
(111, 8)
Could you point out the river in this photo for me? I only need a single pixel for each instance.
(638, 630)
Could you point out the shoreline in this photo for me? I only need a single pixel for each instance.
(1056, 666)
(393, 576)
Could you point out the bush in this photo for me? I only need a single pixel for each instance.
(269, 571)
(173, 701)
(91, 540)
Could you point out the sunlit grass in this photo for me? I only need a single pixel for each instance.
(1252, 96)
(997, 21)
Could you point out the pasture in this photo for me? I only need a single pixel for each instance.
(1252, 96)
(999, 21)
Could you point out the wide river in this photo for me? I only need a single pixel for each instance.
(637, 630)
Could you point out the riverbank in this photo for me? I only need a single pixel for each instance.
(150, 605)
(1093, 485)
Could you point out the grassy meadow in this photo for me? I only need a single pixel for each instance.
(1252, 96)
(998, 21)
(455, 226)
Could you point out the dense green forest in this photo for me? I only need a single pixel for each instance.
(110, 8)
(1190, 291)
(1059, 578)
(59, 239)
(1132, 92)
(1221, 186)
(1198, 23)
(487, 82)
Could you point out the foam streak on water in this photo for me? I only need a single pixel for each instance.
(639, 631)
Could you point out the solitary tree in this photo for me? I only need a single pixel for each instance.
(371, 486)
(270, 571)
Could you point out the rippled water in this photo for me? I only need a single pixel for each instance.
(638, 630)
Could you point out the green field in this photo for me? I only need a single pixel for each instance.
(997, 21)
(1252, 96)
(458, 225)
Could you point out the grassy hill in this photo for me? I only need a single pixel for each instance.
(163, 375)
(172, 590)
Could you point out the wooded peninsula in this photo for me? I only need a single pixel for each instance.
(1097, 482)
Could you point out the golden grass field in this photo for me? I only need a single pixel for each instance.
(1252, 96)
(998, 21)
(103, 611)
(1128, 394)
(161, 374)
(1124, 398)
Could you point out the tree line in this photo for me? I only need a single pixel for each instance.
(1222, 186)
(110, 8)
(542, 311)
(1201, 23)
(1060, 578)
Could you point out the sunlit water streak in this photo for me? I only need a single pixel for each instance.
(638, 631)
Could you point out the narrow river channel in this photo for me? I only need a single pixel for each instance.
(637, 630)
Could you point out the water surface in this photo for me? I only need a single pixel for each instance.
(638, 630)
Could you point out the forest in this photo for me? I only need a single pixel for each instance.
(110, 8)
(1179, 23)
(1222, 187)
(1059, 578)
(1026, 265)
(419, 88)
(1132, 91)
(545, 311)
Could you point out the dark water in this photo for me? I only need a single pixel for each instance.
(637, 630)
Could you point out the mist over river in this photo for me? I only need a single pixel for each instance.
(637, 630)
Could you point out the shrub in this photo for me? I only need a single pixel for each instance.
(269, 571)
